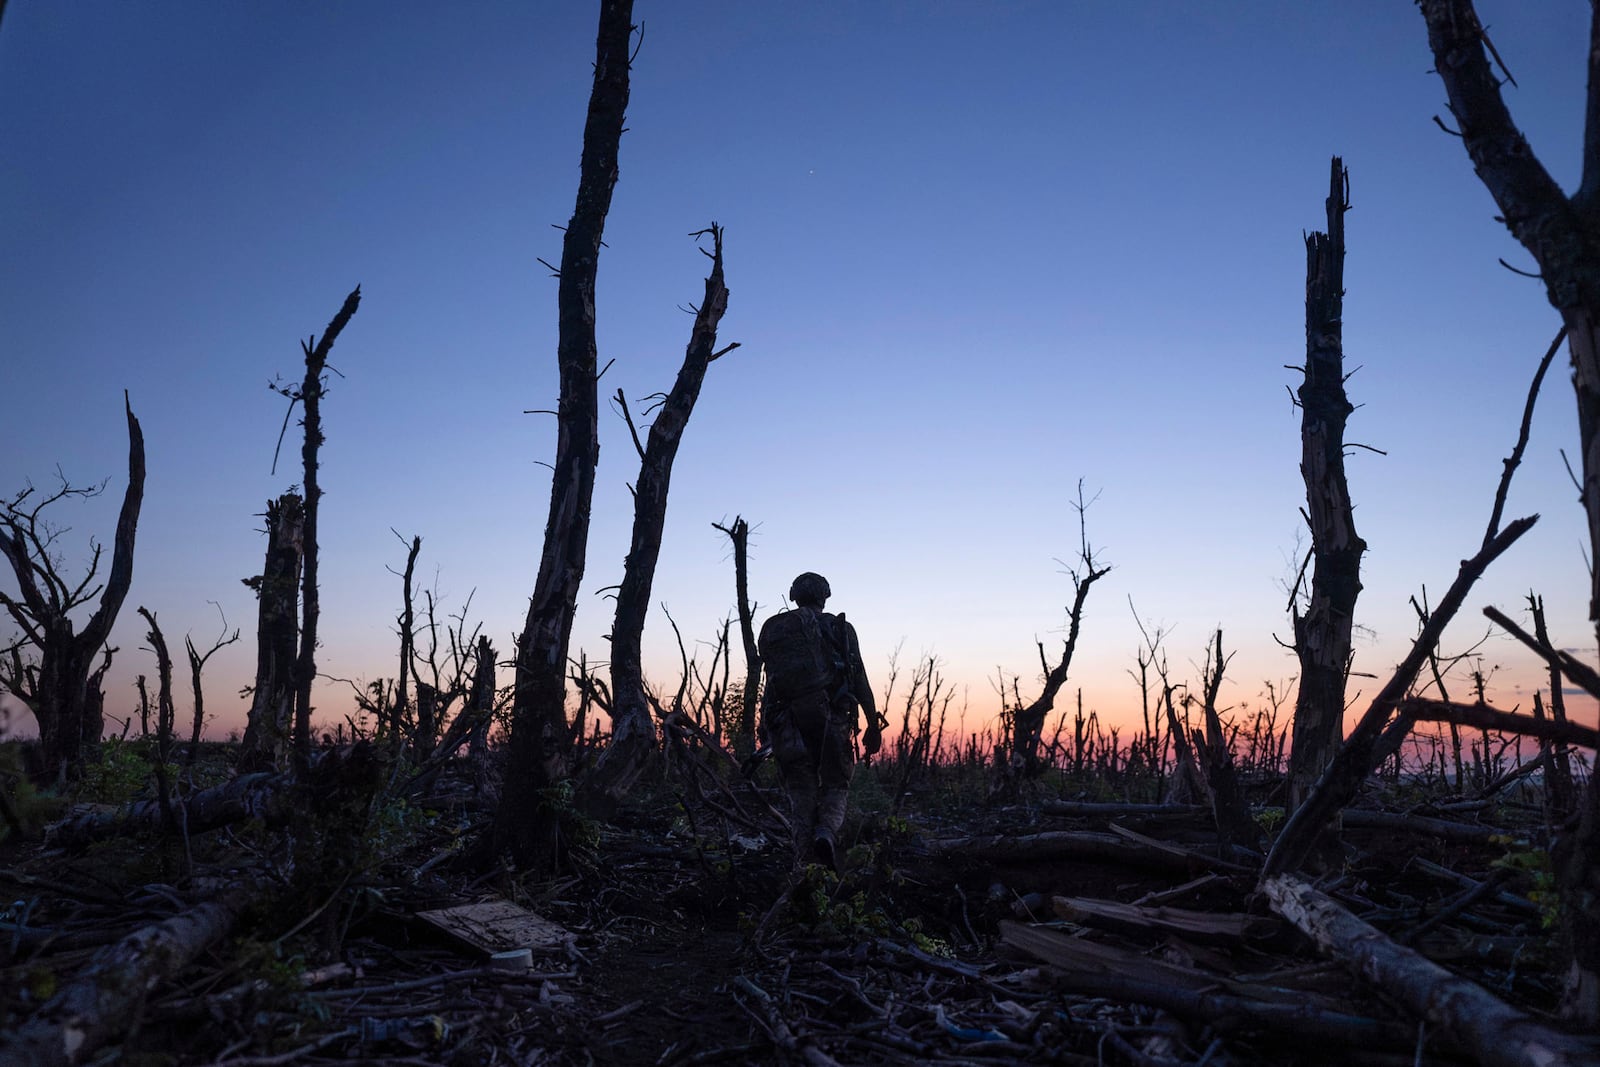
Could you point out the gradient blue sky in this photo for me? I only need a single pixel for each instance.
(976, 252)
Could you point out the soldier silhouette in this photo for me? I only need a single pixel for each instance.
(816, 687)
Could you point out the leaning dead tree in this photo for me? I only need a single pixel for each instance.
(309, 394)
(633, 729)
(525, 824)
(51, 667)
(1387, 721)
(1322, 633)
(1562, 235)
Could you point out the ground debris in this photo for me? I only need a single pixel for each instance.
(1055, 932)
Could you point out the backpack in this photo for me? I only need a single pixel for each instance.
(801, 654)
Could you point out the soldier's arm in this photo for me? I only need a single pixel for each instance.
(859, 683)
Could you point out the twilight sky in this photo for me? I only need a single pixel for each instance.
(976, 251)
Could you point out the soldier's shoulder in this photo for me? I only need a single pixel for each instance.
(777, 622)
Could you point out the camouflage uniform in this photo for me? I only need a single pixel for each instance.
(812, 731)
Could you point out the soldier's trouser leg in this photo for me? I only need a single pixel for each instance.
(835, 763)
(797, 737)
(800, 782)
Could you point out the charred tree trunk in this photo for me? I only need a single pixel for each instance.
(407, 646)
(144, 706)
(426, 734)
(525, 824)
(1187, 785)
(65, 700)
(1322, 634)
(744, 729)
(1228, 807)
(165, 716)
(267, 734)
(480, 708)
(1558, 784)
(633, 731)
(1563, 235)
(310, 395)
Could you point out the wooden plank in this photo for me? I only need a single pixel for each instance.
(1203, 926)
(492, 926)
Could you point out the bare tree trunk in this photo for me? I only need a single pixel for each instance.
(67, 706)
(480, 708)
(267, 733)
(1322, 634)
(1563, 235)
(633, 731)
(744, 730)
(310, 395)
(526, 824)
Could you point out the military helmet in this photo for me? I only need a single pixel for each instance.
(809, 588)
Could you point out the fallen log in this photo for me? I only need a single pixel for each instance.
(1483, 717)
(1229, 1007)
(1445, 829)
(356, 771)
(262, 795)
(106, 995)
(1488, 1029)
